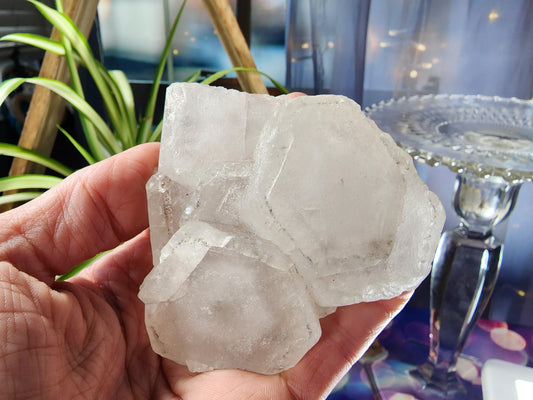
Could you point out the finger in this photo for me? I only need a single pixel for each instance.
(91, 211)
(121, 271)
(224, 384)
(117, 276)
(346, 334)
(293, 95)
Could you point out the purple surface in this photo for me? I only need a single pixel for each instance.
(406, 343)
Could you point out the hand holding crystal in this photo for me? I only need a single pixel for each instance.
(87, 336)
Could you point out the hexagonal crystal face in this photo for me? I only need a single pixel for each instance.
(266, 214)
(224, 311)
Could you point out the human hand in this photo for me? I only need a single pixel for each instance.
(86, 338)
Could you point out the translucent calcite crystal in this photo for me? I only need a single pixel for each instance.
(267, 213)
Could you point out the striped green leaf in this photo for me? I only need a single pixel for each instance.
(147, 120)
(18, 197)
(29, 181)
(12, 150)
(217, 75)
(38, 41)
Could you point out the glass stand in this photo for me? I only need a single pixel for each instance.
(465, 270)
(488, 142)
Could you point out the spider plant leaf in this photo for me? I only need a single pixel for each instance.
(121, 93)
(12, 150)
(194, 76)
(84, 153)
(119, 89)
(78, 268)
(18, 197)
(124, 94)
(66, 27)
(103, 132)
(28, 181)
(217, 75)
(9, 86)
(156, 134)
(147, 120)
(80, 45)
(75, 81)
(59, 5)
(38, 41)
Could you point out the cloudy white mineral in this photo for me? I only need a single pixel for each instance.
(266, 213)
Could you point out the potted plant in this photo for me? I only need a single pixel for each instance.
(124, 130)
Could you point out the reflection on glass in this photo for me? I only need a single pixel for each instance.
(449, 46)
(488, 141)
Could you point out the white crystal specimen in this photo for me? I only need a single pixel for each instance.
(267, 213)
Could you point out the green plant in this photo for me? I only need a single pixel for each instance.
(124, 130)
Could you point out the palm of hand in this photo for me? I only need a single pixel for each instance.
(86, 337)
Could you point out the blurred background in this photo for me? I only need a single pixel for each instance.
(134, 31)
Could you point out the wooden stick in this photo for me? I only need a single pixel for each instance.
(46, 108)
(235, 44)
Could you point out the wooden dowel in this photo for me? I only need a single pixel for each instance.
(235, 44)
(47, 109)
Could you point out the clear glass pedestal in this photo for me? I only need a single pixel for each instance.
(465, 270)
(488, 141)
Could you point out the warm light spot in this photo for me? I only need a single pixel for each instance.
(331, 45)
(175, 52)
(413, 73)
(305, 46)
(186, 33)
(402, 396)
(521, 293)
(192, 39)
(467, 370)
(488, 325)
(384, 44)
(104, 9)
(426, 65)
(398, 32)
(293, 60)
(435, 60)
(507, 339)
(420, 47)
(493, 16)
